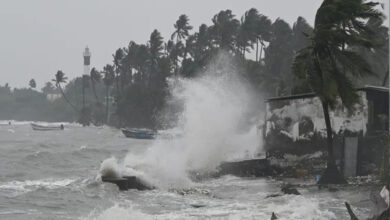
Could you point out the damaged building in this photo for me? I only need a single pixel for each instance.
(295, 125)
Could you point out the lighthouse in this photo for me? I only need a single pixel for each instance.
(87, 60)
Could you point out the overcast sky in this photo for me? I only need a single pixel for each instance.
(39, 37)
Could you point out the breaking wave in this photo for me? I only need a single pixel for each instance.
(214, 114)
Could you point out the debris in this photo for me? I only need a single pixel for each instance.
(350, 212)
(273, 195)
(198, 205)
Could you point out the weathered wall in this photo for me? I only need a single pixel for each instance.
(297, 125)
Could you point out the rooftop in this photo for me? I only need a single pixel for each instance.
(310, 95)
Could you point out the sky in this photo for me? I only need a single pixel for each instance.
(39, 37)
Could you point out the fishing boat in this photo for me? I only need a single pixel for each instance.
(38, 127)
(139, 133)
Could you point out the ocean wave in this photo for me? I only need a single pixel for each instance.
(21, 187)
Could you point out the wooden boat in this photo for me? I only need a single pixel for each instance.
(38, 127)
(139, 133)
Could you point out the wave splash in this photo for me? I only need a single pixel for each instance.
(215, 123)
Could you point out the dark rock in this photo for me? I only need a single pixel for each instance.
(273, 216)
(128, 182)
(247, 168)
(289, 190)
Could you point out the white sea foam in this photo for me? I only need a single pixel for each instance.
(110, 168)
(20, 187)
(298, 208)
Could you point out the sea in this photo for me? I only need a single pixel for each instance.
(56, 175)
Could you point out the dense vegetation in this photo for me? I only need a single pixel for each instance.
(132, 90)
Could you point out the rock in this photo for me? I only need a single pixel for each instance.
(273, 216)
(289, 190)
(127, 182)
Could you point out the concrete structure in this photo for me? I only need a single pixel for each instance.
(295, 125)
(53, 96)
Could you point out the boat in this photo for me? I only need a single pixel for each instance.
(139, 133)
(38, 127)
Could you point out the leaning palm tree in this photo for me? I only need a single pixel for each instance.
(61, 78)
(224, 30)
(95, 77)
(328, 65)
(182, 28)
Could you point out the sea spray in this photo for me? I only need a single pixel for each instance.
(110, 168)
(213, 119)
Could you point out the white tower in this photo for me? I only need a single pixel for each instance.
(87, 60)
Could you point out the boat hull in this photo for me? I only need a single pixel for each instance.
(37, 127)
(138, 134)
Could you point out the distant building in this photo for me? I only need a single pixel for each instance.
(53, 96)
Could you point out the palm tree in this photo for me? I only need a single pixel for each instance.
(181, 32)
(328, 66)
(263, 33)
(118, 57)
(95, 77)
(174, 52)
(247, 32)
(85, 112)
(32, 84)
(202, 45)
(224, 30)
(108, 80)
(155, 48)
(61, 78)
(182, 28)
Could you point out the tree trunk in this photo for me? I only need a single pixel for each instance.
(257, 49)
(107, 93)
(261, 51)
(83, 91)
(117, 85)
(331, 174)
(94, 91)
(329, 138)
(66, 99)
(386, 78)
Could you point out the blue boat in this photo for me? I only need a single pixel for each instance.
(139, 133)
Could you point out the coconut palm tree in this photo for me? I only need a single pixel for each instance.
(182, 28)
(263, 33)
(118, 57)
(328, 65)
(61, 78)
(248, 30)
(155, 48)
(224, 30)
(32, 84)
